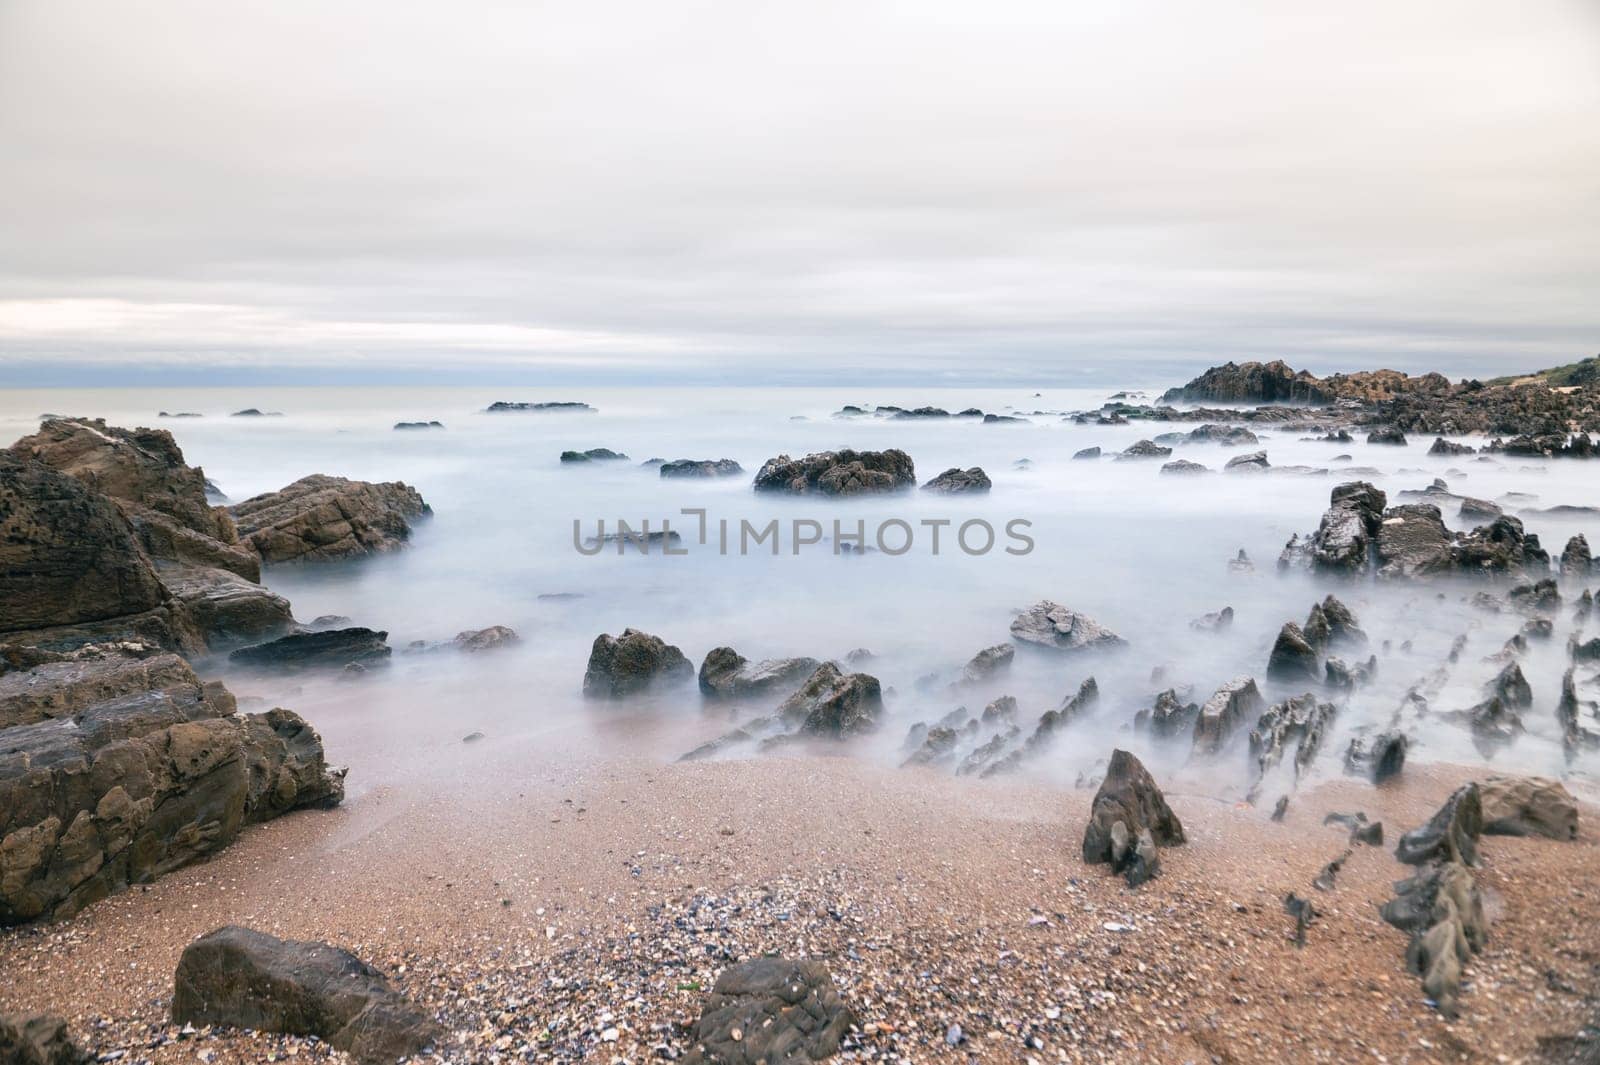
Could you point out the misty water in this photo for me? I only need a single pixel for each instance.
(1141, 552)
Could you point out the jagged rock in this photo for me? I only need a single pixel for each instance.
(1128, 820)
(700, 468)
(321, 518)
(1569, 711)
(242, 978)
(594, 454)
(1215, 621)
(1301, 722)
(490, 639)
(1324, 880)
(1537, 629)
(1343, 541)
(119, 790)
(1478, 510)
(1183, 466)
(1443, 912)
(1052, 721)
(1387, 434)
(1528, 806)
(1002, 710)
(1332, 624)
(839, 473)
(834, 704)
(1230, 705)
(955, 480)
(95, 674)
(1499, 547)
(938, 746)
(726, 674)
(1343, 676)
(620, 666)
(1226, 435)
(38, 1039)
(985, 754)
(1441, 446)
(1087, 453)
(987, 663)
(1144, 449)
(1451, 835)
(1170, 716)
(1540, 597)
(1378, 759)
(327, 649)
(1293, 659)
(1494, 725)
(770, 1011)
(226, 608)
(1303, 912)
(1241, 563)
(1250, 382)
(1058, 628)
(1254, 461)
(1413, 542)
(1512, 688)
(1575, 558)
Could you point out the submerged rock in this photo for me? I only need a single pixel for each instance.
(988, 663)
(960, 481)
(1058, 628)
(703, 468)
(1183, 466)
(726, 674)
(632, 663)
(840, 473)
(594, 454)
(492, 638)
(833, 704)
(1144, 449)
(320, 518)
(770, 1010)
(324, 649)
(1387, 434)
(1216, 621)
(1128, 820)
(563, 407)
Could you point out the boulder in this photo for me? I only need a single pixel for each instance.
(490, 639)
(242, 978)
(1216, 621)
(594, 454)
(1528, 806)
(1128, 819)
(1499, 547)
(1293, 658)
(954, 481)
(1087, 453)
(1169, 717)
(1235, 702)
(1254, 462)
(770, 1011)
(324, 649)
(1442, 910)
(1451, 835)
(702, 468)
(320, 518)
(94, 674)
(833, 704)
(1441, 446)
(1183, 466)
(988, 663)
(620, 666)
(1226, 435)
(1378, 759)
(226, 608)
(1058, 628)
(1575, 558)
(1413, 542)
(1478, 510)
(1343, 541)
(726, 674)
(838, 473)
(38, 1039)
(1332, 624)
(1144, 449)
(1387, 434)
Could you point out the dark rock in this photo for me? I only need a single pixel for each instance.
(1379, 759)
(1183, 466)
(1254, 461)
(1343, 541)
(1324, 880)
(1219, 719)
(841, 473)
(1215, 621)
(1303, 913)
(770, 1011)
(954, 480)
(1387, 434)
(594, 454)
(644, 539)
(1144, 449)
(1451, 835)
(38, 1039)
(225, 607)
(1293, 659)
(620, 666)
(1512, 688)
(1442, 910)
(1528, 806)
(1226, 435)
(1250, 382)
(319, 518)
(327, 649)
(938, 747)
(1058, 628)
(1494, 725)
(1441, 446)
(726, 674)
(1478, 510)
(1575, 558)
(501, 406)
(1299, 723)
(1499, 547)
(1128, 820)
(253, 412)
(1241, 563)
(242, 978)
(1003, 419)
(418, 425)
(703, 468)
(833, 704)
(1413, 542)
(1170, 716)
(1540, 597)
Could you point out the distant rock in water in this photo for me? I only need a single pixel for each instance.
(324, 649)
(419, 425)
(489, 639)
(594, 454)
(1226, 435)
(1144, 449)
(632, 663)
(1183, 466)
(1003, 419)
(1387, 434)
(641, 539)
(839, 473)
(1441, 446)
(700, 468)
(180, 414)
(501, 406)
(1250, 382)
(1058, 628)
(320, 518)
(954, 481)
(1087, 453)
(252, 412)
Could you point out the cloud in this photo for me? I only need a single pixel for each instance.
(1015, 189)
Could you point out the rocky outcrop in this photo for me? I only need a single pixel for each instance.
(242, 978)
(703, 468)
(988, 663)
(1169, 717)
(1442, 910)
(594, 454)
(225, 607)
(1254, 462)
(833, 704)
(1379, 758)
(770, 1011)
(1251, 382)
(958, 481)
(1219, 719)
(1295, 729)
(1575, 558)
(1528, 806)
(1343, 541)
(1226, 435)
(1057, 628)
(64, 685)
(838, 473)
(559, 407)
(1388, 435)
(1143, 449)
(38, 1039)
(726, 674)
(1450, 835)
(321, 518)
(1441, 446)
(633, 663)
(1183, 467)
(1413, 542)
(1128, 820)
(1215, 621)
(108, 792)
(1293, 659)
(323, 649)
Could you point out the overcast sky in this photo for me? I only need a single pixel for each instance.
(787, 191)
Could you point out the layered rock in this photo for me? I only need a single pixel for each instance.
(320, 518)
(323, 649)
(957, 481)
(1294, 728)
(840, 473)
(632, 663)
(594, 454)
(704, 468)
(834, 704)
(1219, 719)
(1379, 758)
(1128, 820)
(1528, 806)
(726, 674)
(770, 1011)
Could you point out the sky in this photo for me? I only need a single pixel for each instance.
(804, 192)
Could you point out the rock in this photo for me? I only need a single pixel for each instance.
(1575, 558)
(938, 746)
(1254, 461)
(1478, 510)
(326, 649)
(594, 454)
(1250, 382)
(726, 674)
(644, 539)
(1293, 659)
(1087, 453)
(1512, 688)
(963, 481)
(1494, 724)
(1183, 466)
(620, 666)
(91, 675)
(834, 704)
(418, 425)
(119, 790)
(1241, 563)
(242, 978)
(320, 518)
(1301, 722)
(1387, 434)
(773, 1011)
(1128, 819)
(1451, 835)
(1058, 628)
(501, 406)
(1052, 721)
(1230, 705)
(1343, 676)
(1332, 624)
(1216, 621)
(38, 1039)
(253, 412)
(1226, 435)
(1144, 449)
(226, 608)
(839, 473)
(988, 663)
(700, 468)
(492, 638)
(1528, 806)
(1413, 542)
(1441, 446)
(1003, 419)
(1539, 597)
(1343, 541)
(1443, 912)
(1170, 716)
(1499, 547)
